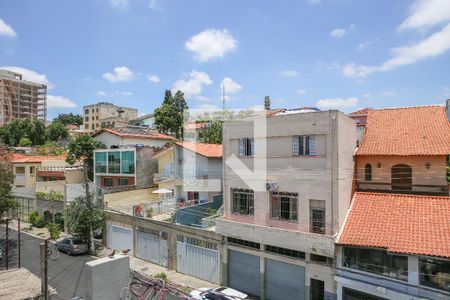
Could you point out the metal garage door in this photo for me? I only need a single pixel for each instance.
(120, 238)
(198, 258)
(152, 248)
(284, 281)
(243, 272)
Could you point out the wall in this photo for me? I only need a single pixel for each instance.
(110, 139)
(74, 176)
(146, 167)
(129, 198)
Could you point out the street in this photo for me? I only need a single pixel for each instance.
(65, 273)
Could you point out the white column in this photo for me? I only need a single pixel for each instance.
(413, 270)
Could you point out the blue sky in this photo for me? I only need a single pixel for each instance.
(345, 54)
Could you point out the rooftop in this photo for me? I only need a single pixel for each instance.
(421, 130)
(23, 158)
(408, 224)
(363, 111)
(207, 150)
(139, 133)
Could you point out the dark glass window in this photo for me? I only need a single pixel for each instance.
(368, 172)
(285, 252)
(349, 294)
(243, 201)
(128, 162)
(114, 162)
(108, 182)
(435, 273)
(100, 162)
(123, 181)
(321, 259)
(317, 289)
(243, 243)
(284, 206)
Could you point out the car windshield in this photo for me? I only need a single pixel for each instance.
(77, 241)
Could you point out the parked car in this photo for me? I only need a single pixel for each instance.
(72, 246)
(220, 293)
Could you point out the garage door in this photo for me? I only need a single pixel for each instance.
(243, 272)
(120, 238)
(151, 247)
(284, 281)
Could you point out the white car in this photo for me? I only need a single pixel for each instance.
(220, 293)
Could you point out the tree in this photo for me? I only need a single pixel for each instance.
(211, 133)
(56, 131)
(33, 129)
(68, 119)
(7, 201)
(170, 115)
(82, 149)
(25, 142)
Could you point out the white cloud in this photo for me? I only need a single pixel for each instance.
(366, 95)
(192, 86)
(211, 43)
(358, 71)
(31, 75)
(120, 74)
(119, 3)
(338, 32)
(366, 44)
(153, 78)
(59, 102)
(6, 29)
(100, 93)
(301, 92)
(231, 86)
(339, 103)
(426, 13)
(289, 73)
(119, 93)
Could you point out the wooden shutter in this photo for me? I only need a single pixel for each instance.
(241, 147)
(295, 146)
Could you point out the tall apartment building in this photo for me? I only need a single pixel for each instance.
(21, 99)
(280, 226)
(106, 113)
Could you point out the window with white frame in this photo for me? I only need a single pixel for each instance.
(284, 206)
(247, 147)
(303, 145)
(243, 201)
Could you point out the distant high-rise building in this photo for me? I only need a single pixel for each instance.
(21, 99)
(108, 115)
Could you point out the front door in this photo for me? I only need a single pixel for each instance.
(401, 178)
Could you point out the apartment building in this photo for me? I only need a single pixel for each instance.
(280, 224)
(94, 114)
(21, 99)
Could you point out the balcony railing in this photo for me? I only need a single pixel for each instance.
(417, 189)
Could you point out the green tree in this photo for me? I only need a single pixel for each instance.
(211, 133)
(7, 201)
(56, 131)
(25, 142)
(170, 115)
(82, 149)
(68, 119)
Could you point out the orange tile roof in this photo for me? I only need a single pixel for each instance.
(198, 125)
(207, 150)
(408, 224)
(22, 158)
(363, 111)
(136, 133)
(421, 130)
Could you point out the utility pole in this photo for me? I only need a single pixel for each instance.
(18, 242)
(7, 245)
(44, 268)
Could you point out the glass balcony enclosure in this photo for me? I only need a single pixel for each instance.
(115, 162)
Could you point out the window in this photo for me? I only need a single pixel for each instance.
(193, 196)
(128, 162)
(368, 172)
(435, 273)
(92, 110)
(284, 206)
(108, 182)
(31, 170)
(20, 170)
(247, 147)
(376, 261)
(93, 126)
(86, 119)
(285, 252)
(86, 111)
(243, 201)
(317, 216)
(317, 289)
(100, 162)
(304, 145)
(321, 259)
(350, 294)
(114, 162)
(92, 118)
(244, 243)
(123, 181)
(96, 117)
(96, 110)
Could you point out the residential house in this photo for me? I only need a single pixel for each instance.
(404, 150)
(280, 224)
(131, 136)
(395, 246)
(145, 121)
(94, 114)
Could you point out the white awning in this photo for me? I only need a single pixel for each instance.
(162, 191)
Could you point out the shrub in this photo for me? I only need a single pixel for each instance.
(32, 217)
(52, 195)
(162, 276)
(40, 222)
(54, 231)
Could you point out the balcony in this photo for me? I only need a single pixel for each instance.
(416, 189)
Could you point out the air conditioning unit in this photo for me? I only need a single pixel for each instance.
(272, 186)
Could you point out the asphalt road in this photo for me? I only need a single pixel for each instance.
(65, 273)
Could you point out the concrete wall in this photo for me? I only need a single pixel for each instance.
(27, 179)
(146, 167)
(129, 198)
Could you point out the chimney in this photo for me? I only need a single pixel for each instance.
(447, 107)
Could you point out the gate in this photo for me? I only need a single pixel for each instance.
(198, 258)
(119, 238)
(152, 247)
(244, 273)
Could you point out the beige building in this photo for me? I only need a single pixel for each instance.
(95, 114)
(280, 223)
(21, 99)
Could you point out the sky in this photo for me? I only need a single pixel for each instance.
(344, 54)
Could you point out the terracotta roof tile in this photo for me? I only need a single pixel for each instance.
(136, 133)
(421, 130)
(207, 150)
(363, 111)
(21, 158)
(408, 224)
(198, 125)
